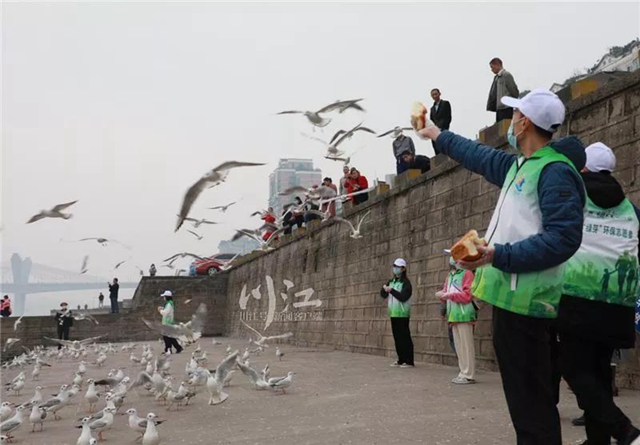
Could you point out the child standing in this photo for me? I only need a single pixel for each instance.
(461, 315)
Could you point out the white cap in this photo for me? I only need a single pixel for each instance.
(400, 263)
(600, 157)
(541, 106)
(167, 293)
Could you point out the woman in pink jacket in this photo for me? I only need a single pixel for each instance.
(461, 314)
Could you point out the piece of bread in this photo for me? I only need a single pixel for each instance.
(466, 249)
(418, 116)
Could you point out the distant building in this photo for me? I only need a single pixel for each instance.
(290, 173)
(242, 246)
(618, 58)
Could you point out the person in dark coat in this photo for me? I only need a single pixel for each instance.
(64, 318)
(113, 296)
(417, 162)
(401, 144)
(440, 111)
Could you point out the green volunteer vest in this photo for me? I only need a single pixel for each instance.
(168, 319)
(458, 312)
(517, 216)
(605, 268)
(396, 308)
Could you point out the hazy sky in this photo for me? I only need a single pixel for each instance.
(124, 106)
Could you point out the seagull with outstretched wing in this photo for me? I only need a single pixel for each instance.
(195, 234)
(172, 258)
(211, 178)
(223, 208)
(262, 340)
(355, 231)
(395, 132)
(315, 117)
(55, 212)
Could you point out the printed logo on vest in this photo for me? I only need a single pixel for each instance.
(519, 183)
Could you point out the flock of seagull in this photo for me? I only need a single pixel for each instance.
(314, 197)
(149, 375)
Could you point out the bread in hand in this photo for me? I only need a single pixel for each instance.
(466, 249)
(418, 116)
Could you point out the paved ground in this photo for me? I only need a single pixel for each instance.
(337, 398)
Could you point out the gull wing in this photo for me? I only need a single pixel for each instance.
(120, 264)
(193, 233)
(340, 104)
(60, 342)
(226, 166)
(279, 337)
(60, 207)
(173, 331)
(206, 221)
(336, 136)
(274, 235)
(295, 189)
(241, 233)
(260, 336)
(91, 339)
(249, 372)
(225, 366)
(16, 324)
(35, 218)
(198, 319)
(50, 403)
(189, 198)
(142, 378)
(291, 112)
(344, 221)
(361, 220)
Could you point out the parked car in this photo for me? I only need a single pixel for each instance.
(211, 265)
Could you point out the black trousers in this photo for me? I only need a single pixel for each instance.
(586, 366)
(504, 113)
(63, 333)
(115, 309)
(169, 341)
(402, 338)
(522, 346)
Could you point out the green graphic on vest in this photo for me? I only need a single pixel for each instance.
(605, 268)
(518, 216)
(458, 312)
(395, 307)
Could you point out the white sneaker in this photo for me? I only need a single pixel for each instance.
(395, 364)
(168, 352)
(462, 381)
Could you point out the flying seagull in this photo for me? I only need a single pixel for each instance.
(198, 222)
(209, 179)
(315, 118)
(55, 212)
(171, 259)
(103, 241)
(395, 132)
(355, 231)
(223, 208)
(262, 340)
(120, 264)
(185, 332)
(264, 245)
(195, 234)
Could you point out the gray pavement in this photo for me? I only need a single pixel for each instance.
(337, 398)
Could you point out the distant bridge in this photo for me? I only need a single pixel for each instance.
(16, 281)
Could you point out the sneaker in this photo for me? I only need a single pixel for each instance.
(578, 421)
(168, 352)
(179, 350)
(395, 364)
(633, 437)
(462, 381)
(407, 365)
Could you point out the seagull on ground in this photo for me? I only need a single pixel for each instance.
(150, 436)
(281, 382)
(37, 416)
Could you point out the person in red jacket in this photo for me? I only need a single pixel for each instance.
(5, 306)
(358, 183)
(268, 218)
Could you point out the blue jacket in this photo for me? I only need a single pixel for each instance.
(561, 195)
